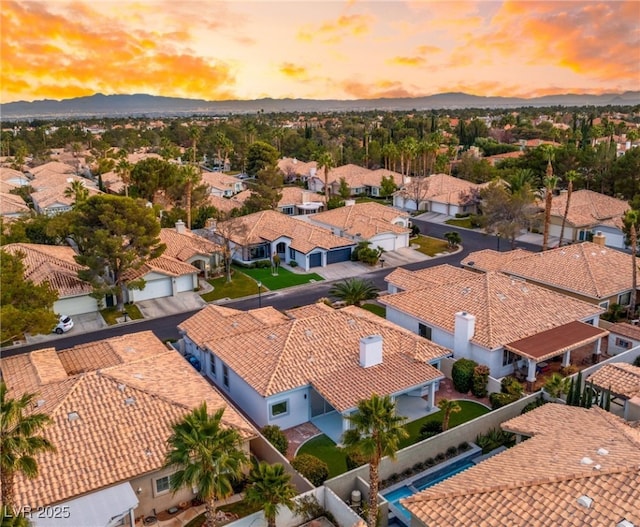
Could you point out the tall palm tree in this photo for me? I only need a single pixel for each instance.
(20, 441)
(77, 191)
(376, 432)
(550, 182)
(448, 407)
(570, 176)
(123, 169)
(354, 291)
(191, 176)
(520, 180)
(631, 218)
(325, 162)
(206, 455)
(270, 487)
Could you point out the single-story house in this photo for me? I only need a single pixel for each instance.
(498, 321)
(12, 206)
(622, 337)
(56, 264)
(52, 200)
(588, 271)
(164, 276)
(353, 175)
(296, 201)
(12, 179)
(261, 235)
(112, 403)
(622, 380)
(577, 467)
(222, 185)
(184, 245)
(225, 205)
(313, 363)
(295, 170)
(439, 193)
(377, 224)
(401, 279)
(589, 212)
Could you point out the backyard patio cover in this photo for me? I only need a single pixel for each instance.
(556, 341)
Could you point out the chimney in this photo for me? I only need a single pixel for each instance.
(180, 227)
(210, 224)
(599, 239)
(370, 351)
(464, 329)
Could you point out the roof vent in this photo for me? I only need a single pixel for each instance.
(466, 291)
(121, 387)
(602, 451)
(148, 452)
(39, 403)
(234, 324)
(351, 322)
(501, 297)
(585, 501)
(308, 332)
(597, 467)
(471, 263)
(586, 461)
(138, 376)
(73, 416)
(271, 337)
(625, 523)
(130, 401)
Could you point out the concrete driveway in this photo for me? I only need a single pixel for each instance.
(161, 307)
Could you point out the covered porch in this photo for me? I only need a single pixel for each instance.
(537, 351)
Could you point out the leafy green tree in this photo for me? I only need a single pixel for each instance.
(205, 455)
(151, 175)
(453, 239)
(354, 291)
(448, 407)
(387, 186)
(266, 191)
(344, 191)
(24, 306)
(270, 487)
(312, 468)
(260, 155)
(115, 236)
(20, 440)
(276, 437)
(123, 169)
(190, 176)
(376, 432)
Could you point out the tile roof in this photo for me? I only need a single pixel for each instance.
(221, 181)
(490, 260)
(315, 345)
(538, 482)
(364, 220)
(288, 165)
(15, 176)
(501, 305)
(12, 204)
(225, 205)
(588, 208)
(270, 225)
(112, 440)
(186, 245)
(353, 174)
(626, 330)
(298, 195)
(621, 378)
(54, 264)
(584, 268)
(430, 276)
(442, 188)
(55, 167)
(163, 265)
(47, 197)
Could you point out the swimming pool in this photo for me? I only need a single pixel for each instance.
(394, 496)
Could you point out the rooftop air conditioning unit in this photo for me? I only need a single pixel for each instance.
(585, 501)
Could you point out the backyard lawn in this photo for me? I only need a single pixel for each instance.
(335, 458)
(429, 246)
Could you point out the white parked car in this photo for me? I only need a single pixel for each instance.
(65, 323)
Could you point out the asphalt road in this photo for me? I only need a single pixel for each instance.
(165, 327)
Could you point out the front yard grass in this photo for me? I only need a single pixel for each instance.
(111, 314)
(284, 278)
(465, 223)
(429, 246)
(323, 448)
(240, 285)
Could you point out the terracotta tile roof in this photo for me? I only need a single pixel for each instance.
(46, 180)
(186, 245)
(501, 305)
(364, 220)
(621, 378)
(54, 264)
(353, 174)
(588, 208)
(442, 188)
(317, 345)
(140, 396)
(490, 260)
(584, 268)
(9, 174)
(225, 205)
(54, 167)
(553, 342)
(113, 182)
(221, 181)
(12, 204)
(311, 310)
(289, 165)
(162, 265)
(538, 482)
(431, 276)
(297, 196)
(270, 225)
(47, 197)
(626, 330)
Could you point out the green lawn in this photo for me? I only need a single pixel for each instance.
(284, 278)
(429, 246)
(240, 285)
(376, 309)
(322, 447)
(460, 222)
(335, 458)
(110, 314)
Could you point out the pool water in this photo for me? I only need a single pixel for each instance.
(394, 496)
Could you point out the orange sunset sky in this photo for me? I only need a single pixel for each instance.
(319, 49)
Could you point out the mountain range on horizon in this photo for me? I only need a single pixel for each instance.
(142, 105)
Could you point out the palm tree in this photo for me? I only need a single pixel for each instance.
(520, 181)
(270, 487)
(326, 163)
(453, 239)
(631, 218)
(557, 385)
(448, 407)
(123, 169)
(206, 456)
(354, 291)
(19, 440)
(191, 176)
(376, 432)
(77, 191)
(571, 176)
(550, 182)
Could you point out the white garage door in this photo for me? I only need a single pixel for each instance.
(441, 208)
(184, 283)
(387, 242)
(153, 289)
(76, 305)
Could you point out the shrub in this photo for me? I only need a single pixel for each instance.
(262, 264)
(462, 374)
(452, 451)
(440, 457)
(511, 386)
(418, 466)
(463, 446)
(636, 362)
(429, 462)
(415, 231)
(354, 460)
(479, 382)
(312, 468)
(498, 400)
(276, 437)
(430, 429)
(533, 405)
(293, 263)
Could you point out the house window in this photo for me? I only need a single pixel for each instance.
(624, 298)
(590, 322)
(622, 343)
(259, 252)
(424, 331)
(508, 357)
(225, 376)
(281, 408)
(162, 485)
(212, 365)
(604, 305)
(287, 210)
(292, 253)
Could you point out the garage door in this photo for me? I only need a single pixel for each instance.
(339, 255)
(315, 260)
(154, 289)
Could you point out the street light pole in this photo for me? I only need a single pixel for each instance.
(259, 294)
